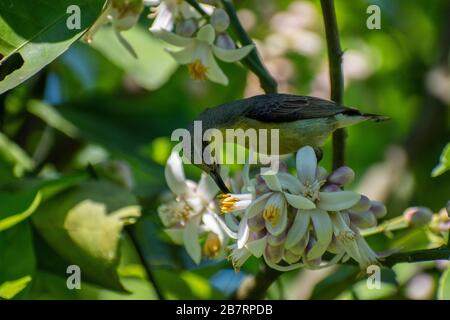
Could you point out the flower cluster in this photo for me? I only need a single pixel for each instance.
(201, 38)
(306, 220)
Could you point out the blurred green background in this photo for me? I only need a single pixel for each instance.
(76, 126)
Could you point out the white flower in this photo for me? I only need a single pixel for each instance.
(170, 10)
(199, 53)
(122, 14)
(193, 212)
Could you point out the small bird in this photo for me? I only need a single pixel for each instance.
(301, 121)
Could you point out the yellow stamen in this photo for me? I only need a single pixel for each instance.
(197, 70)
(211, 247)
(271, 214)
(227, 203)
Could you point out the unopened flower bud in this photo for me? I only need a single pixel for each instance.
(220, 20)
(342, 176)
(418, 216)
(300, 246)
(274, 254)
(224, 41)
(363, 205)
(186, 28)
(276, 240)
(333, 246)
(256, 223)
(291, 257)
(378, 209)
(363, 220)
(321, 173)
(331, 188)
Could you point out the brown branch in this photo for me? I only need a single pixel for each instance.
(336, 78)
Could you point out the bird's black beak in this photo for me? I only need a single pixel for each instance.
(219, 181)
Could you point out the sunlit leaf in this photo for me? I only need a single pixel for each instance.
(10, 289)
(84, 225)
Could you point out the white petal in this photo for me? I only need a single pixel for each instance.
(290, 182)
(211, 224)
(175, 234)
(272, 181)
(232, 55)
(190, 239)
(257, 206)
(337, 201)
(299, 202)
(183, 56)
(323, 230)
(214, 72)
(281, 224)
(206, 34)
(173, 38)
(174, 174)
(257, 247)
(243, 233)
(298, 229)
(207, 188)
(306, 163)
(163, 20)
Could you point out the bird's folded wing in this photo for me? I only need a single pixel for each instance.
(292, 108)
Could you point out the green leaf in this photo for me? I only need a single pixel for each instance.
(34, 33)
(84, 224)
(52, 117)
(152, 67)
(10, 289)
(444, 162)
(335, 283)
(186, 285)
(17, 259)
(444, 286)
(14, 155)
(16, 207)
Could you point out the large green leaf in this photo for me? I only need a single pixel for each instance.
(15, 207)
(444, 286)
(37, 31)
(152, 67)
(17, 259)
(84, 224)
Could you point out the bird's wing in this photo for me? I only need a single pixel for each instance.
(289, 108)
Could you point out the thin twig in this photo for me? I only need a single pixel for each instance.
(252, 60)
(150, 276)
(255, 287)
(336, 78)
(441, 253)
